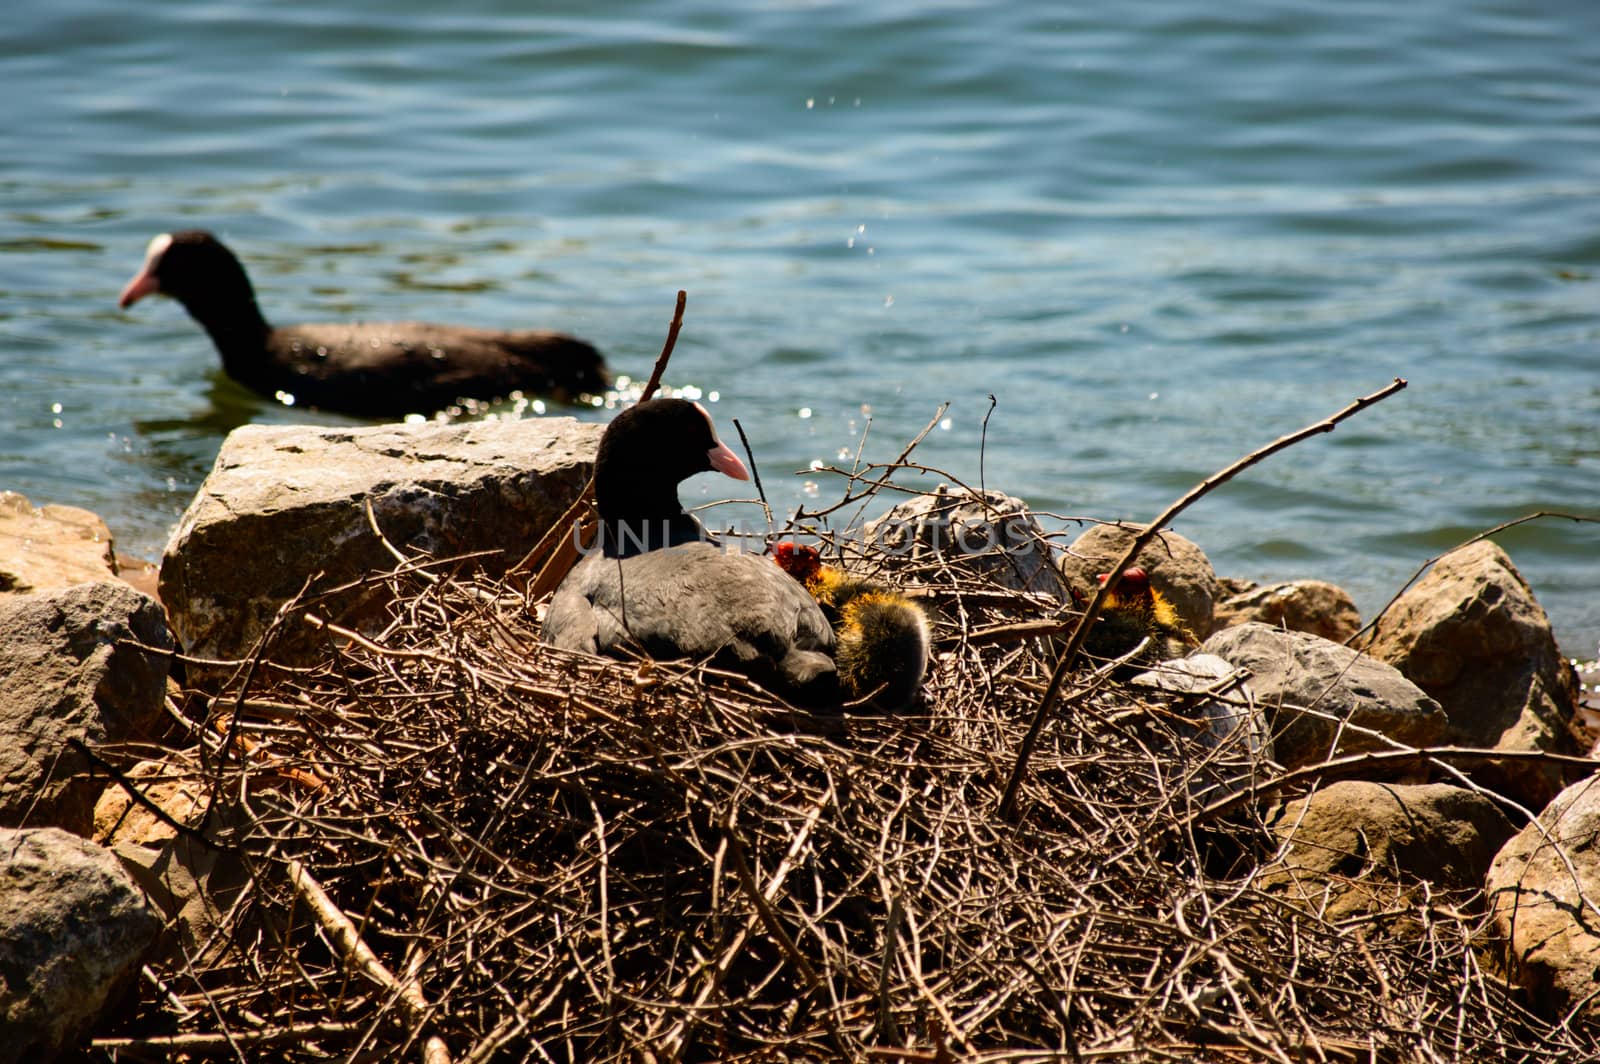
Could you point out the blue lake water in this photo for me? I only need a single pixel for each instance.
(1158, 235)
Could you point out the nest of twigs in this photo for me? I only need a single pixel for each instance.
(458, 844)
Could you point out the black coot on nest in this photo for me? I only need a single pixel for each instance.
(659, 587)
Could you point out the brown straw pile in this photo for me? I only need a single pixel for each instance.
(459, 845)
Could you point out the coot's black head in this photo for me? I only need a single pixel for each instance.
(193, 267)
(648, 449)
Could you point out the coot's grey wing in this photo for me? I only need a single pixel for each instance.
(694, 601)
(569, 620)
(662, 603)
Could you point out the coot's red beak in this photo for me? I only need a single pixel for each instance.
(725, 461)
(144, 283)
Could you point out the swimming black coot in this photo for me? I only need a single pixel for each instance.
(372, 369)
(656, 585)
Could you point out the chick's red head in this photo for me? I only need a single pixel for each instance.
(798, 560)
(1134, 580)
(1134, 588)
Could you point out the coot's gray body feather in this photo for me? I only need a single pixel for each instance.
(739, 611)
(657, 589)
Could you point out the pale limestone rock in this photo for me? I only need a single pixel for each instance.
(190, 882)
(1542, 892)
(177, 792)
(51, 547)
(1313, 606)
(284, 508)
(1347, 846)
(1471, 634)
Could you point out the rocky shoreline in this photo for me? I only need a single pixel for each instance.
(100, 661)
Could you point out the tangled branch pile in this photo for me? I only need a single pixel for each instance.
(462, 845)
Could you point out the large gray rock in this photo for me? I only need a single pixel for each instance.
(1542, 892)
(1471, 634)
(993, 538)
(287, 504)
(70, 669)
(1344, 847)
(51, 547)
(1178, 569)
(1309, 685)
(73, 931)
